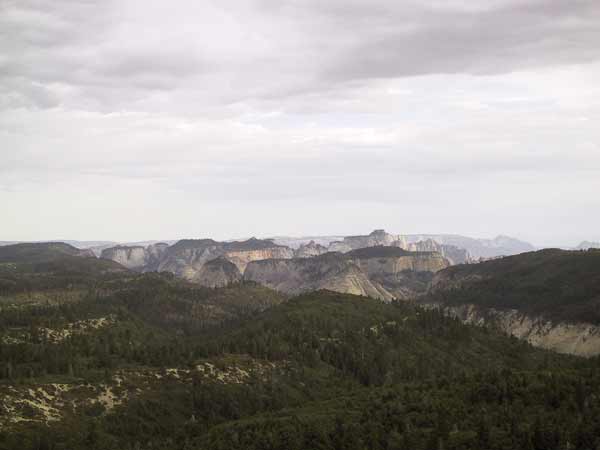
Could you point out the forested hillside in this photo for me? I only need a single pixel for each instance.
(150, 361)
(561, 285)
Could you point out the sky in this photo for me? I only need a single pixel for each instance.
(134, 120)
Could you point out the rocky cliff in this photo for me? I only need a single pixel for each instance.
(453, 254)
(458, 249)
(309, 250)
(244, 252)
(136, 257)
(379, 272)
(376, 238)
(186, 258)
(477, 248)
(330, 271)
(154, 255)
(217, 272)
(131, 257)
(581, 338)
(401, 273)
(549, 297)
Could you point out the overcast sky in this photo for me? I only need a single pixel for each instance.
(146, 119)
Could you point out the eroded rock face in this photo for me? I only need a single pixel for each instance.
(401, 273)
(379, 272)
(154, 254)
(453, 254)
(390, 260)
(384, 272)
(309, 250)
(186, 258)
(86, 253)
(136, 257)
(330, 271)
(376, 238)
(477, 248)
(241, 258)
(581, 339)
(218, 272)
(131, 257)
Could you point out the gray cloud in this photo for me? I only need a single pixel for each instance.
(96, 47)
(427, 114)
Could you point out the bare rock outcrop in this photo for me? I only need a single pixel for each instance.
(477, 248)
(187, 257)
(131, 257)
(379, 272)
(581, 339)
(309, 250)
(136, 257)
(330, 271)
(376, 238)
(454, 254)
(244, 252)
(218, 272)
(402, 273)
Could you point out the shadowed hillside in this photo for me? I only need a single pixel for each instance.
(563, 285)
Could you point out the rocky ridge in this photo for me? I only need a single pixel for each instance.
(385, 276)
(380, 272)
(452, 253)
(355, 270)
(136, 257)
(477, 248)
(218, 272)
(309, 250)
(187, 257)
(375, 238)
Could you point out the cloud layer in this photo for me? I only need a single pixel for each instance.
(134, 120)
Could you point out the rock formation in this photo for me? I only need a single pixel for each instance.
(241, 253)
(376, 238)
(131, 257)
(380, 272)
(309, 250)
(217, 272)
(401, 273)
(136, 257)
(581, 338)
(453, 254)
(186, 258)
(329, 271)
(477, 248)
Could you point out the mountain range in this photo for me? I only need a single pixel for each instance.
(251, 344)
(476, 248)
(310, 266)
(379, 265)
(97, 356)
